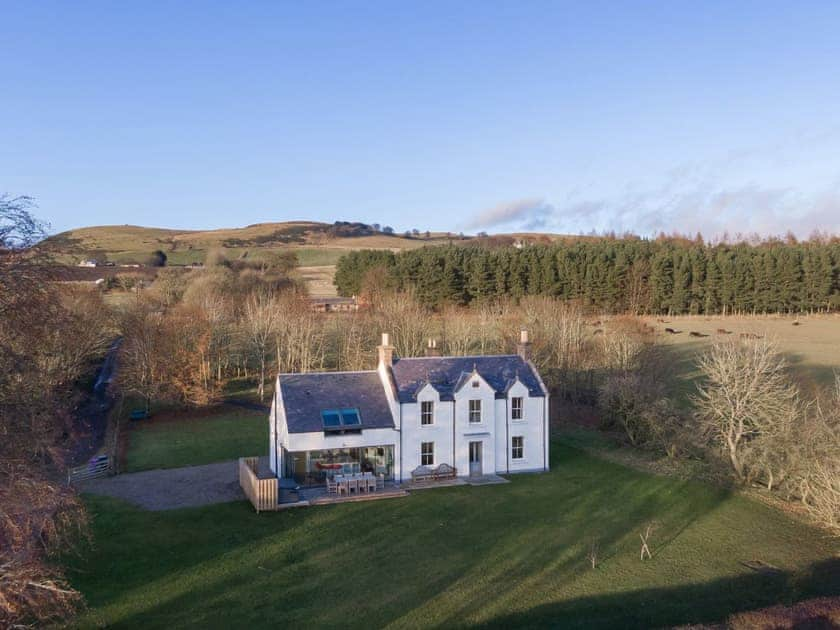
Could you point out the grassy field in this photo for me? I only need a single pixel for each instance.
(812, 347)
(170, 440)
(512, 555)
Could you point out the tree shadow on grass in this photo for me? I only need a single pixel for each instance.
(450, 557)
(695, 603)
(433, 559)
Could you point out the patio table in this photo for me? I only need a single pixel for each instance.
(356, 482)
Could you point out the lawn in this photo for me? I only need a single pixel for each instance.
(172, 440)
(506, 555)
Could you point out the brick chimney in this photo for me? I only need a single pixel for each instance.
(386, 351)
(432, 349)
(523, 348)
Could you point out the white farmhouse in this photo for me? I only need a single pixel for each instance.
(479, 414)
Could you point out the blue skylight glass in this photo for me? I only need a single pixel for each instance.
(331, 418)
(350, 417)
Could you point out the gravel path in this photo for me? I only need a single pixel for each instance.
(172, 488)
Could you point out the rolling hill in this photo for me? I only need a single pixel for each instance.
(315, 243)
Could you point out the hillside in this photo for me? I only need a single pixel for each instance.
(315, 243)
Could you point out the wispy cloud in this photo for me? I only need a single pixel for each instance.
(788, 183)
(686, 206)
(708, 209)
(522, 212)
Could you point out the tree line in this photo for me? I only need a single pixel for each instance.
(670, 276)
(51, 337)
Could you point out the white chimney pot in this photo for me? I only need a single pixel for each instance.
(386, 339)
(523, 336)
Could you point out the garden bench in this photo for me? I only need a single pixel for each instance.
(444, 471)
(422, 473)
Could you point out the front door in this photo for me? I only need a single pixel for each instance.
(475, 459)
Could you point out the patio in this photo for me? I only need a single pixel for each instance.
(319, 495)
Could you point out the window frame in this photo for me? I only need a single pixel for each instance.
(517, 447)
(427, 415)
(430, 455)
(520, 410)
(471, 412)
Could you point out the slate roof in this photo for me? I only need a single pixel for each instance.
(305, 396)
(447, 374)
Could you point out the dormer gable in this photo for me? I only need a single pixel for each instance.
(516, 388)
(427, 391)
(469, 383)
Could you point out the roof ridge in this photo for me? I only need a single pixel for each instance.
(459, 356)
(326, 373)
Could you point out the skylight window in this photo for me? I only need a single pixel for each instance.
(331, 419)
(340, 419)
(350, 417)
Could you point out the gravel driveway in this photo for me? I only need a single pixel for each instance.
(172, 488)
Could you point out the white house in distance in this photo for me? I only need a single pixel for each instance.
(480, 414)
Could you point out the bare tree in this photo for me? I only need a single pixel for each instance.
(744, 393)
(141, 369)
(260, 321)
(39, 362)
(460, 331)
(819, 469)
(299, 334)
(353, 339)
(406, 320)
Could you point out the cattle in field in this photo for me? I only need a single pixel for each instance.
(750, 336)
(672, 331)
(694, 333)
(723, 331)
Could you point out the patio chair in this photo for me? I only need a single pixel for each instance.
(371, 483)
(332, 486)
(380, 481)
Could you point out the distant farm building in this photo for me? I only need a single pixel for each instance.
(334, 304)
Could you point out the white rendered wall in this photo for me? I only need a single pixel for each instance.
(531, 428)
(440, 432)
(484, 432)
(277, 430)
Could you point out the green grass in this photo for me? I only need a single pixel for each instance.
(318, 257)
(508, 555)
(188, 441)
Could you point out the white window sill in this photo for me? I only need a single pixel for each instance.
(518, 421)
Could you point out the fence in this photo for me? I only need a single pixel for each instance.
(261, 492)
(97, 467)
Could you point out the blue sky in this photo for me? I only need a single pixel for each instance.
(564, 117)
